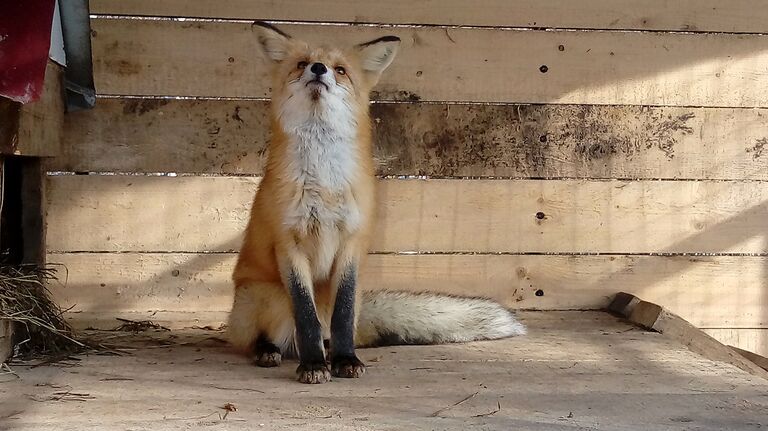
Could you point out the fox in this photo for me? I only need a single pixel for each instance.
(295, 280)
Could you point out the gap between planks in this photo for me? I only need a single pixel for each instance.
(407, 25)
(407, 177)
(107, 96)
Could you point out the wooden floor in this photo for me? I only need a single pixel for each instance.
(574, 371)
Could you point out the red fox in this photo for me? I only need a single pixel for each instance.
(296, 275)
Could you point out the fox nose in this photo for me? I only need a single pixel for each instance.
(318, 69)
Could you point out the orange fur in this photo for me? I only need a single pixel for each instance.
(262, 301)
(311, 221)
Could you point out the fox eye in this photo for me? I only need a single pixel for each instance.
(302, 65)
(340, 70)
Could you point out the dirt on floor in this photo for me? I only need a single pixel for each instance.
(573, 371)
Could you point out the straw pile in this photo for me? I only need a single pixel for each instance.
(40, 328)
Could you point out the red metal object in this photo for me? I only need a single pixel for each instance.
(25, 37)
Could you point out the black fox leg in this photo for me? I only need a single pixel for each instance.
(312, 366)
(344, 362)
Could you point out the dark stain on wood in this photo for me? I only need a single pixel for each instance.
(122, 67)
(142, 106)
(236, 115)
(757, 149)
(396, 95)
(533, 141)
(602, 132)
(517, 140)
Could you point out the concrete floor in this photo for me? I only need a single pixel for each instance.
(574, 371)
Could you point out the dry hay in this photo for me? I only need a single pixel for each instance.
(40, 328)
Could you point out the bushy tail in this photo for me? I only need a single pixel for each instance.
(396, 318)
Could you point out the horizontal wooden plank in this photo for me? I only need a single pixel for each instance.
(192, 214)
(142, 57)
(752, 340)
(712, 291)
(685, 15)
(226, 136)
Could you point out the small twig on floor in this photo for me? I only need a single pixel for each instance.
(206, 339)
(435, 414)
(12, 415)
(210, 328)
(491, 413)
(115, 379)
(52, 385)
(8, 370)
(237, 389)
(138, 325)
(57, 360)
(103, 349)
(228, 407)
(420, 368)
(63, 396)
(192, 419)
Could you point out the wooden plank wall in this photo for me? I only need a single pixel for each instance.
(636, 160)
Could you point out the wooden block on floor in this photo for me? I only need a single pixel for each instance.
(760, 361)
(655, 317)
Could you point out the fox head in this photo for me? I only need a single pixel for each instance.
(319, 82)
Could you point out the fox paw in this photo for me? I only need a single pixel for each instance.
(347, 367)
(313, 373)
(268, 359)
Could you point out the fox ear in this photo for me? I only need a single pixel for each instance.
(273, 42)
(378, 54)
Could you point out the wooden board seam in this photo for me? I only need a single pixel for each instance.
(421, 102)
(172, 174)
(433, 102)
(383, 25)
(432, 253)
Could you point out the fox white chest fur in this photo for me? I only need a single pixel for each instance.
(321, 162)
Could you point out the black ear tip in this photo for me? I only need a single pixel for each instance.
(268, 26)
(381, 39)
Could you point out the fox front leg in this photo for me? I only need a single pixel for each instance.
(312, 366)
(344, 361)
